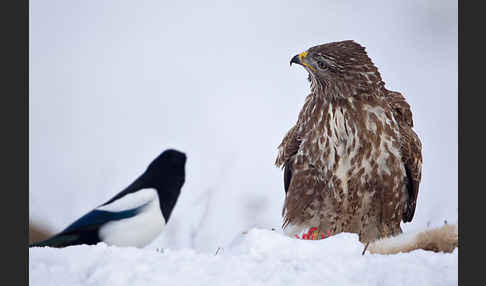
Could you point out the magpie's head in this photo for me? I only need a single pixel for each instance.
(167, 171)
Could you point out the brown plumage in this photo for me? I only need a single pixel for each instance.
(352, 162)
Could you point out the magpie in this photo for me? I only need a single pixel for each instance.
(136, 215)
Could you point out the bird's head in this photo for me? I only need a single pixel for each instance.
(167, 169)
(339, 63)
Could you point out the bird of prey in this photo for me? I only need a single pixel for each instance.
(352, 162)
(136, 215)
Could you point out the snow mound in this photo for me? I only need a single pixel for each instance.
(259, 257)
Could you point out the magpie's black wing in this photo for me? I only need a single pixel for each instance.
(85, 229)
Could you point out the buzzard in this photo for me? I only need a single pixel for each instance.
(352, 162)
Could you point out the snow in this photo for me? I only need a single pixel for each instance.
(260, 257)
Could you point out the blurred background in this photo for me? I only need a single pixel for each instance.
(114, 83)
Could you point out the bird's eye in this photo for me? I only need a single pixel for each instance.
(321, 65)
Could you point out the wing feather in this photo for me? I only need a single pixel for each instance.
(411, 149)
(288, 148)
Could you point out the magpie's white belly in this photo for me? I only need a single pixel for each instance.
(137, 231)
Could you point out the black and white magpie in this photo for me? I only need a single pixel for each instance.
(136, 215)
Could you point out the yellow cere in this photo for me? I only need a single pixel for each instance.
(302, 60)
(303, 55)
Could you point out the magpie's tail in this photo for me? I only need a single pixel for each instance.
(60, 240)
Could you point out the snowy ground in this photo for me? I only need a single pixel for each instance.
(261, 257)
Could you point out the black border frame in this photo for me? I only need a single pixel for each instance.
(15, 161)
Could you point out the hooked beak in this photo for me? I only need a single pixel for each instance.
(301, 60)
(295, 60)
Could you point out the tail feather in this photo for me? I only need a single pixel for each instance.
(61, 240)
